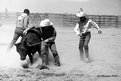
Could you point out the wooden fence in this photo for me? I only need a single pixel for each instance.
(101, 20)
(68, 20)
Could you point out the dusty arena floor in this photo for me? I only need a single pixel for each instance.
(105, 54)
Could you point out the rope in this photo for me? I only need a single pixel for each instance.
(34, 44)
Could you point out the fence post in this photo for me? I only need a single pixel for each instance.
(99, 21)
(0, 17)
(63, 19)
(46, 15)
(116, 21)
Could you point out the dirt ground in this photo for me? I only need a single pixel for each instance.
(105, 54)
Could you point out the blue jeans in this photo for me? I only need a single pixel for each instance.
(17, 33)
(44, 50)
(83, 45)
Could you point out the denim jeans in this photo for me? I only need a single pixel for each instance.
(44, 50)
(83, 45)
(17, 33)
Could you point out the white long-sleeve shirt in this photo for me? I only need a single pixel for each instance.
(22, 21)
(86, 28)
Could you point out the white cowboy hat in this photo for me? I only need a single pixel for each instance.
(81, 14)
(45, 22)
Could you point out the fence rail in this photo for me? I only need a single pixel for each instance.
(64, 19)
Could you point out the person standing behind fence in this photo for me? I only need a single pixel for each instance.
(82, 29)
(48, 37)
(21, 26)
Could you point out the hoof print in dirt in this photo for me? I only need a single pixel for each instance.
(42, 67)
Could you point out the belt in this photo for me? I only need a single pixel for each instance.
(85, 33)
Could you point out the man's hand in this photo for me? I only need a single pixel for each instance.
(99, 31)
(43, 44)
(25, 32)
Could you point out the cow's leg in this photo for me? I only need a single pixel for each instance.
(31, 58)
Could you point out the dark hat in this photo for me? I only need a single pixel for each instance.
(26, 11)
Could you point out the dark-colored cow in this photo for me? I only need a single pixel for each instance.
(30, 44)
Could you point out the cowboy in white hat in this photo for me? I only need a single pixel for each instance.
(45, 22)
(83, 30)
(48, 37)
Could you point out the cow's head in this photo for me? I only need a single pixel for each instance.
(21, 49)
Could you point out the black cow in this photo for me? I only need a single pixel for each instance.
(30, 44)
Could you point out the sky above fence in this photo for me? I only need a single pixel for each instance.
(98, 7)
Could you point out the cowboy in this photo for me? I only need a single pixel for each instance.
(82, 29)
(48, 37)
(21, 26)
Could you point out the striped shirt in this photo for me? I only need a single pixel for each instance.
(85, 28)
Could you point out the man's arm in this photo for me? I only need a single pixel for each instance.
(96, 26)
(27, 25)
(76, 29)
(26, 22)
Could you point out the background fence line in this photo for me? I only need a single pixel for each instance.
(68, 20)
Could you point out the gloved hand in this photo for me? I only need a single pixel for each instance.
(99, 31)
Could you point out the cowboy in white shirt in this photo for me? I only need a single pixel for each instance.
(21, 27)
(82, 29)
